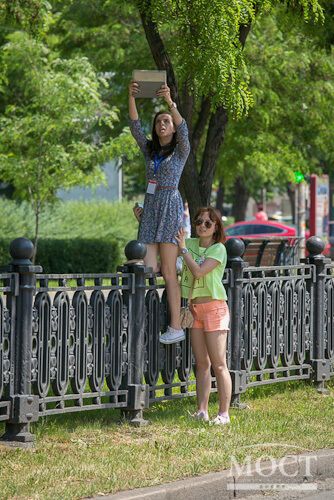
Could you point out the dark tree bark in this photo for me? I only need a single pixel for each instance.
(220, 197)
(241, 197)
(159, 53)
(214, 139)
(203, 117)
(292, 198)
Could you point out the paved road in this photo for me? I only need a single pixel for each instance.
(324, 491)
(227, 484)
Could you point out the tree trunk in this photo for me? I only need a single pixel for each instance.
(214, 139)
(220, 197)
(158, 51)
(37, 214)
(241, 197)
(292, 198)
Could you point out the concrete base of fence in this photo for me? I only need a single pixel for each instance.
(134, 417)
(18, 436)
(17, 444)
(299, 474)
(25, 441)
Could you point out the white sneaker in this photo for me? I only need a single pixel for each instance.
(200, 415)
(171, 336)
(221, 420)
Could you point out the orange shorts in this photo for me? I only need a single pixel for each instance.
(211, 316)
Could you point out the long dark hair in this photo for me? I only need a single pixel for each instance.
(154, 145)
(219, 234)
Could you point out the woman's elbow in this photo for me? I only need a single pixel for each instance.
(198, 274)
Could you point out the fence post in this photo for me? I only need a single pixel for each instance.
(138, 393)
(24, 405)
(235, 249)
(320, 365)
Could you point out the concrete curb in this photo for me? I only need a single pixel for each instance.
(298, 471)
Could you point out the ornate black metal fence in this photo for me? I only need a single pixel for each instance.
(81, 342)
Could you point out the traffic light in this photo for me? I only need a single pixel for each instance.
(299, 176)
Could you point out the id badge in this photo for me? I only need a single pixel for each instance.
(151, 187)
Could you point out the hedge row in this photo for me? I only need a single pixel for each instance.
(63, 256)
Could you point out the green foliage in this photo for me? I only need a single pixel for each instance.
(27, 14)
(208, 45)
(74, 236)
(52, 111)
(72, 255)
(290, 127)
(70, 220)
(78, 256)
(53, 123)
(207, 48)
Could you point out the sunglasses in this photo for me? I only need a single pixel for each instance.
(207, 223)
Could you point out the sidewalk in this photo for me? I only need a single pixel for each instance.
(309, 475)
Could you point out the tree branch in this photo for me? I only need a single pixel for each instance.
(244, 30)
(200, 125)
(214, 139)
(187, 106)
(158, 50)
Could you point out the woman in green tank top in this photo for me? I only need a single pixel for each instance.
(204, 261)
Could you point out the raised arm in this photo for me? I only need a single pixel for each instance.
(164, 92)
(197, 270)
(135, 125)
(133, 90)
(182, 139)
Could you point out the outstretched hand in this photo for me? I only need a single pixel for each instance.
(164, 92)
(133, 89)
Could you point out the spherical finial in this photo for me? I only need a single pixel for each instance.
(235, 248)
(21, 250)
(135, 250)
(315, 246)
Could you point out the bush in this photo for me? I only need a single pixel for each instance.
(64, 256)
(75, 236)
(71, 219)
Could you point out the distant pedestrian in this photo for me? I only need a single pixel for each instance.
(261, 215)
(203, 269)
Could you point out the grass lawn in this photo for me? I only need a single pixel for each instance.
(89, 453)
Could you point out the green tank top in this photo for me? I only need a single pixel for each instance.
(211, 284)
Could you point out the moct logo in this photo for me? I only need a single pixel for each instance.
(282, 470)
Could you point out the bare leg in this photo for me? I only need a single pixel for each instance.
(168, 256)
(151, 257)
(203, 372)
(216, 347)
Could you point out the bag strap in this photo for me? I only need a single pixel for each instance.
(190, 296)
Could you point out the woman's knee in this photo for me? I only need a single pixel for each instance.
(202, 365)
(168, 273)
(219, 368)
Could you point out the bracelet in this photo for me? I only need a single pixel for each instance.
(172, 106)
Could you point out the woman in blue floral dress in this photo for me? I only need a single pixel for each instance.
(165, 156)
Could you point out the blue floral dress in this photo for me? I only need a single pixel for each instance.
(163, 211)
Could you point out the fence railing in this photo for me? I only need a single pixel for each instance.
(82, 342)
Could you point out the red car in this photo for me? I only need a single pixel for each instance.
(261, 229)
(256, 229)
